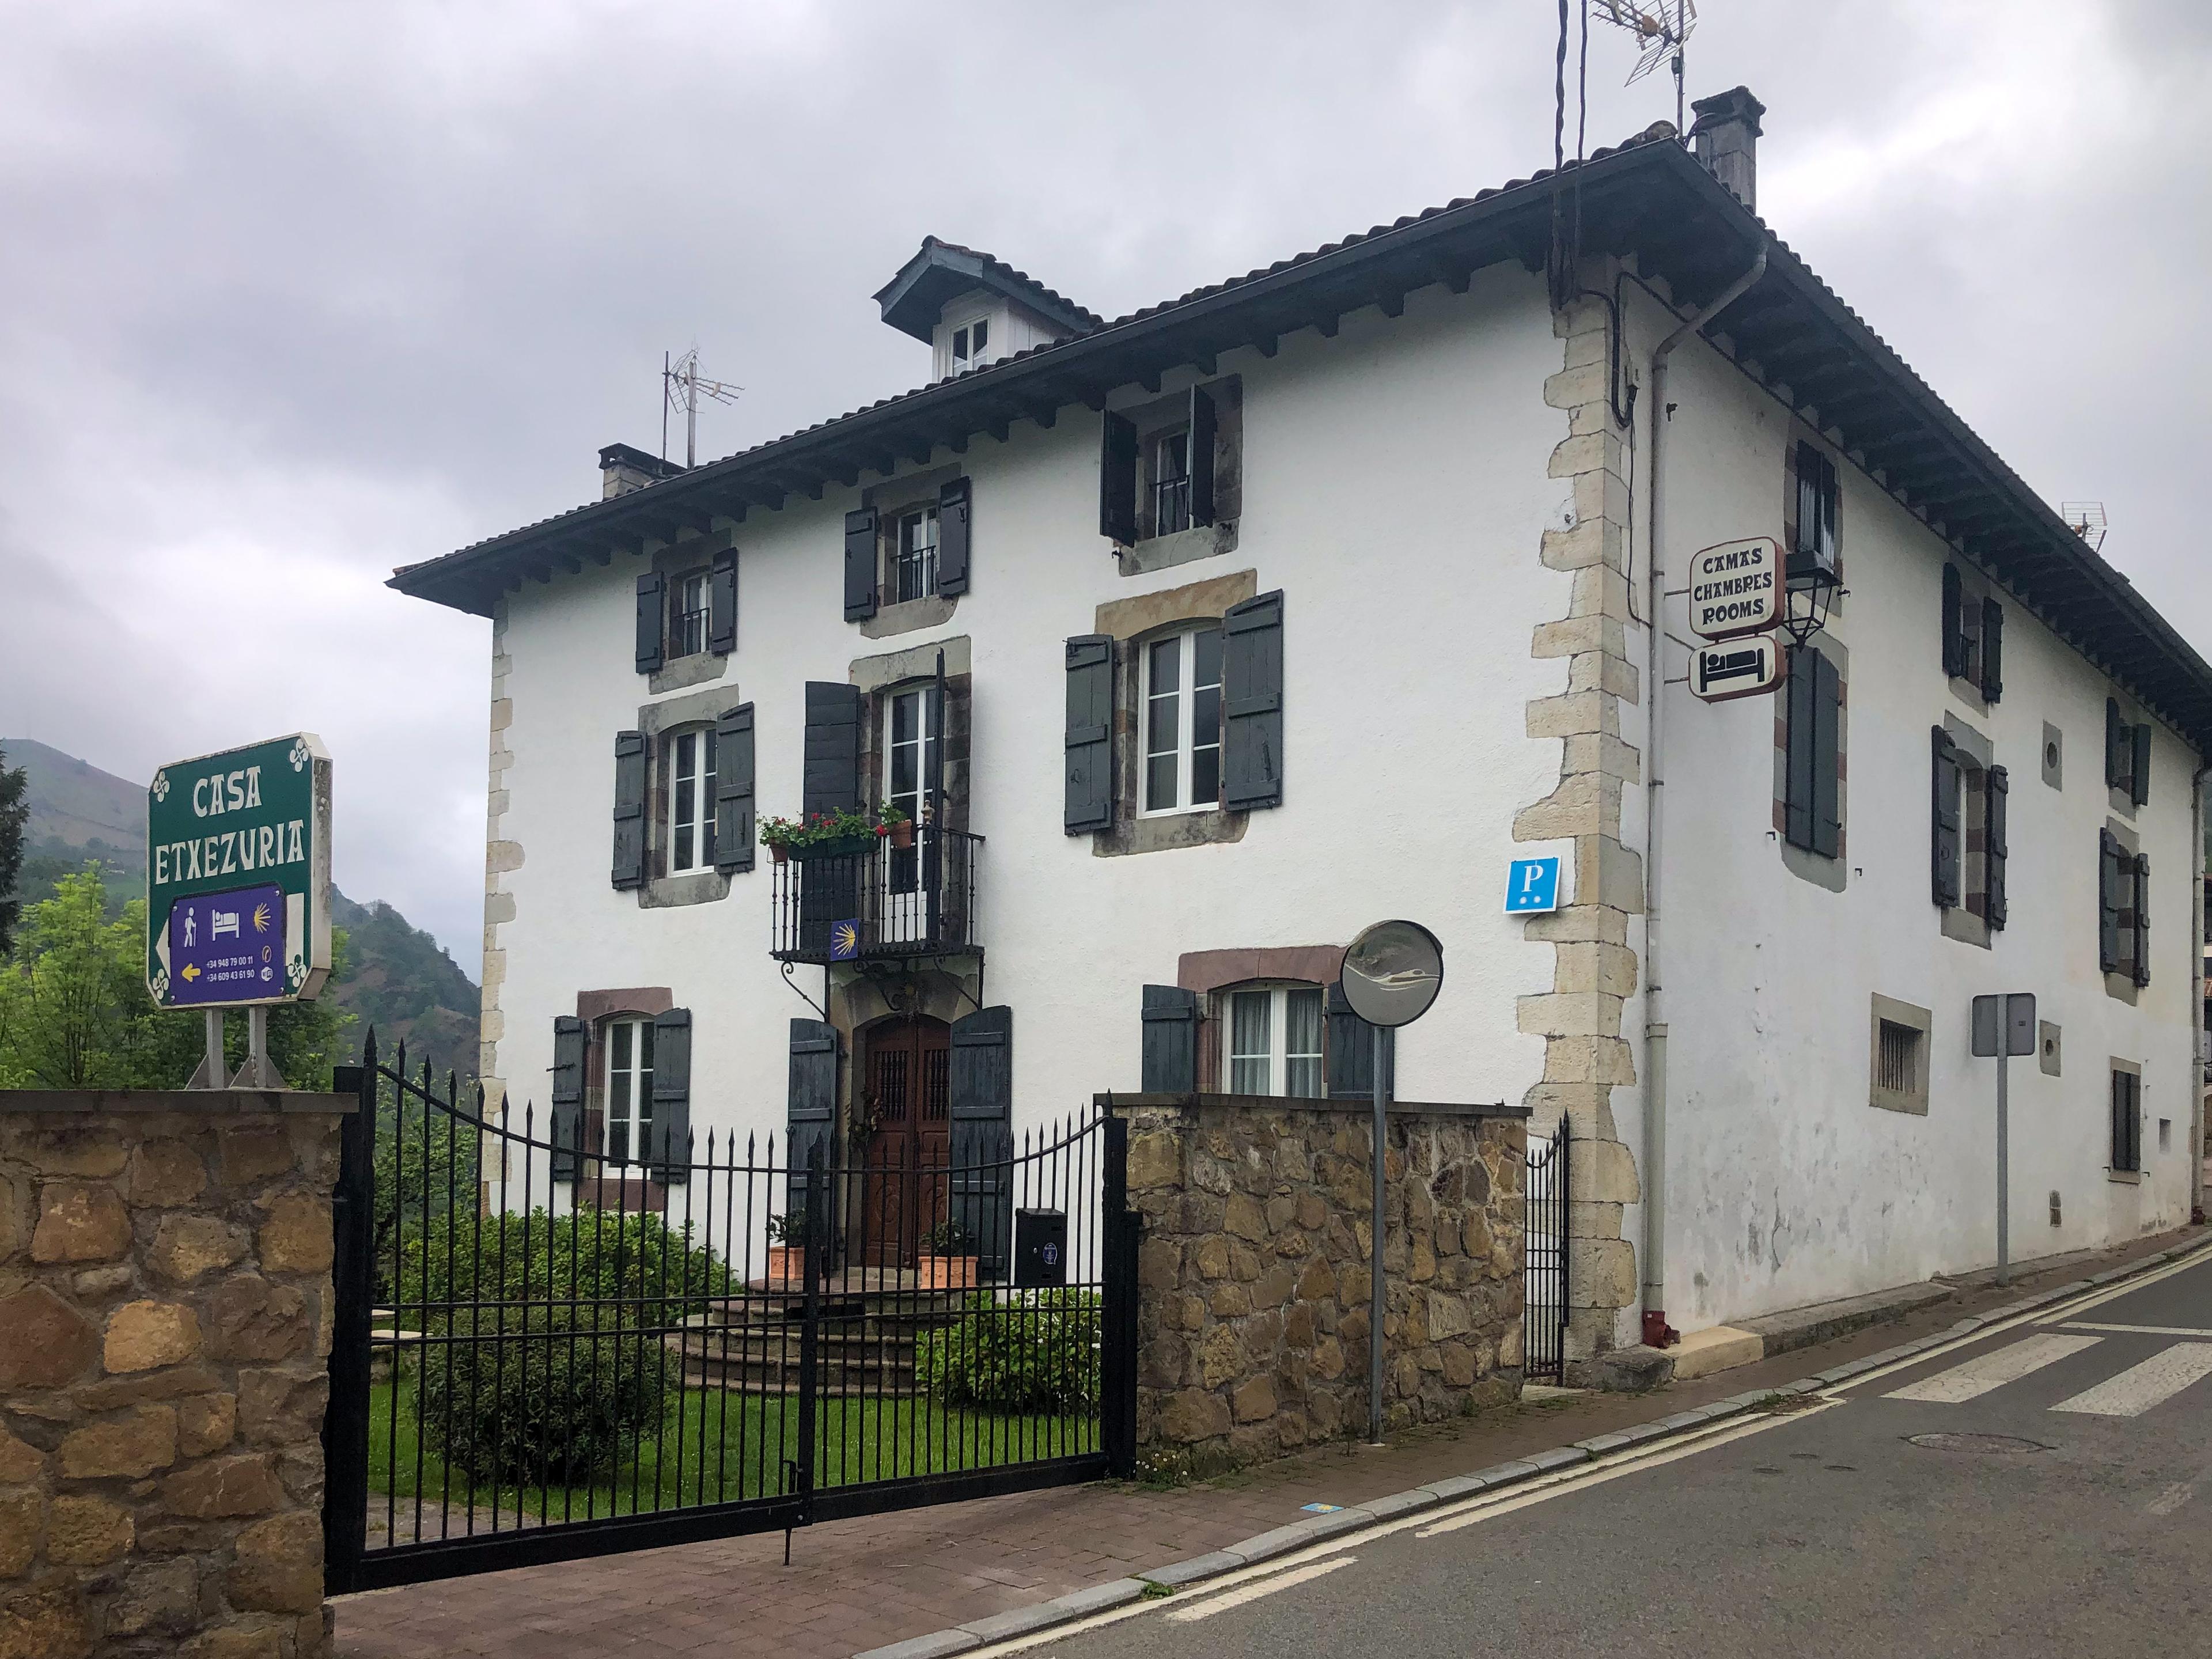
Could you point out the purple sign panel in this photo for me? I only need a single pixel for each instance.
(228, 947)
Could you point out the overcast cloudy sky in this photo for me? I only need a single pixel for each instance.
(292, 294)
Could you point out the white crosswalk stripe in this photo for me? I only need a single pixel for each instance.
(2139, 1387)
(1993, 1371)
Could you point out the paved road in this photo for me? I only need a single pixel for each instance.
(2063, 1507)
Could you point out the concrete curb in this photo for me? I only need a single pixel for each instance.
(1282, 1540)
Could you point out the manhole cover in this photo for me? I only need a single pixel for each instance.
(1976, 1443)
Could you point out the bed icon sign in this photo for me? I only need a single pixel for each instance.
(1532, 887)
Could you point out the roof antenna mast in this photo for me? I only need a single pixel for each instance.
(1662, 37)
(682, 386)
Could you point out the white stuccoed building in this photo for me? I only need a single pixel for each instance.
(1204, 637)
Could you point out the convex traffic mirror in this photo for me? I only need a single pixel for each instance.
(1392, 973)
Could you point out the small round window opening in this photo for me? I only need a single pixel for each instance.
(2050, 754)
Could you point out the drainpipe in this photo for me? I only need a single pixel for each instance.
(2196, 1014)
(1657, 1332)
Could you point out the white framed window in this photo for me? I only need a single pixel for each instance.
(628, 1090)
(909, 745)
(1274, 1045)
(913, 554)
(691, 800)
(1182, 701)
(971, 341)
(1171, 483)
(693, 600)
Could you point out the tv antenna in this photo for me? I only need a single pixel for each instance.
(2086, 520)
(682, 386)
(1661, 35)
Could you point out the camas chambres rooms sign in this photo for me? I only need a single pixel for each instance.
(238, 876)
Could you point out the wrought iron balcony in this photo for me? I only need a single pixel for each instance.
(878, 902)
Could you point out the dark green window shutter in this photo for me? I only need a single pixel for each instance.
(1954, 624)
(829, 782)
(629, 810)
(953, 538)
(1089, 803)
(564, 1129)
(2141, 872)
(1944, 840)
(2139, 764)
(1827, 757)
(1203, 421)
(1170, 1051)
(861, 564)
(979, 1101)
(1800, 753)
(1994, 843)
(2111, 876)
(1252, 704)
(1349, 1060)
(1992, 651)
(830, 779)
(670, 1152)
(2119, 746)
(722, 603)
(809, 1106)
(652, 600)
(733, 790)
(1117, 479)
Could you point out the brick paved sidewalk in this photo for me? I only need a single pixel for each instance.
(858, 1584)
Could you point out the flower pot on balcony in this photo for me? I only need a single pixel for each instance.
(901, 833)
(779, 851)
(945, 1272)
(844, 846)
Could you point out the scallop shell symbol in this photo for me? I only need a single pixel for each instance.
(161, 786)
(299, 753)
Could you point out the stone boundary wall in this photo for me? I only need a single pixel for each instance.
(165, 1327)
(1253, 1270)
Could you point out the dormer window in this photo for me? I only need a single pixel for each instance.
(970, 343)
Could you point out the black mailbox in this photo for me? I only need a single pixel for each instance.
(1040, 1247)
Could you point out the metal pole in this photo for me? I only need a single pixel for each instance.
(2004, 1153)
(1375, 1256)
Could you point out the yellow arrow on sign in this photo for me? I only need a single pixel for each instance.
(191, 972)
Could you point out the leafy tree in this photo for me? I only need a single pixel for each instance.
(425, 1164)
(75, 1013)
(15, 813)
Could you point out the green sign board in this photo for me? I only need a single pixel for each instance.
(238, 876)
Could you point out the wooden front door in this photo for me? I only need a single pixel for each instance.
(905, 1085)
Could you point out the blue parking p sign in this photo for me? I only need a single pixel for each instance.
(1532, 887)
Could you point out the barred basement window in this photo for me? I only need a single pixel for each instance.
(1899, 1061)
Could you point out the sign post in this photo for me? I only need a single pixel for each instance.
(237, 882)
(1391, 974)
(2004, 1026)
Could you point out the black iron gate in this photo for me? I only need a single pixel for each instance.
(1545, 1339)
(543, 1351)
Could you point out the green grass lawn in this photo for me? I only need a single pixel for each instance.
(714, 1448)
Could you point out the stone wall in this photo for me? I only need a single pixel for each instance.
(165, 1319)
(1253, 1270)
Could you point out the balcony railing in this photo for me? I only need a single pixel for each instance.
(884, 901)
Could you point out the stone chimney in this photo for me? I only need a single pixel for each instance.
(1726, 134)
(623, 469)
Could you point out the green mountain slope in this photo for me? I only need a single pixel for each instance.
(398, 979)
